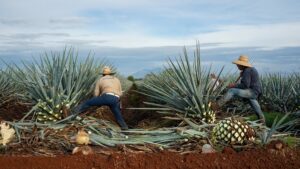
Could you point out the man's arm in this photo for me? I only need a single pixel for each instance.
(246, 80)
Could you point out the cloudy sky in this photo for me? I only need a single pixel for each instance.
(138, 35)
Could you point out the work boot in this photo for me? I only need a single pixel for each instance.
(262, 121)
(124, 127)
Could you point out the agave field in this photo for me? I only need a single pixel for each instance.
(172, 123)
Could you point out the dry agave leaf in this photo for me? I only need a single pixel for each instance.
(82, 137)
(7, 133)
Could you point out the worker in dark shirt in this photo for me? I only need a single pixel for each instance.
(249, 87)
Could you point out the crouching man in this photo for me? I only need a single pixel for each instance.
(249, 87)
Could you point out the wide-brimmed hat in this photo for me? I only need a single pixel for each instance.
(243, 60)
(107, 71)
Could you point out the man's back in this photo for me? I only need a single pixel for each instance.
(250, 80)
(108, 84)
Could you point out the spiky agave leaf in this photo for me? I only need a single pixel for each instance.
(184, 87)
(57, 81)
(278, 124)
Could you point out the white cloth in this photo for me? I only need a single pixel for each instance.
(214, 83)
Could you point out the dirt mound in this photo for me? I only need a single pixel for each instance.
(13, 110)
(251, 159)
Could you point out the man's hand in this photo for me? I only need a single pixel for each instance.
(231, 85)
(212, 75)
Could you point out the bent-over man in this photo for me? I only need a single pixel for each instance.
(108, 91)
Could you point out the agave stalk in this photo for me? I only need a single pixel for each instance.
(57, 82)
(184, 87)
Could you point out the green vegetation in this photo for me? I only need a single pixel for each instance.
(8, 88)
(56, 83)
(281, 92)
(184, 91)
(291, 141)
(131, 78)
(270, 117)
(184, 87)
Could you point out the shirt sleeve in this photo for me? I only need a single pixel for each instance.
(245, 81)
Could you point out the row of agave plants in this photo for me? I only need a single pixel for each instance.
(58, 82)
(8, 89)
(53, 85)
(281, 92)
(179, 86)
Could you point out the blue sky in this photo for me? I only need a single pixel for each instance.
(138, 34)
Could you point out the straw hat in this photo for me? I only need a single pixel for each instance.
(106, 71)
(243, 60)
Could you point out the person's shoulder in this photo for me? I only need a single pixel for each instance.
(253, 69)
(247, 70)
(250, 69)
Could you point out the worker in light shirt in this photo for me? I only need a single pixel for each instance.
(108, 91)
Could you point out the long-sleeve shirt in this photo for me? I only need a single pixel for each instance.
(108, 84)
(250, 80)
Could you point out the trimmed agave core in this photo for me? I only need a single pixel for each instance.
(233, 131)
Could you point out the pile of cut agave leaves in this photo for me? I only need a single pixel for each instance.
(41, 139)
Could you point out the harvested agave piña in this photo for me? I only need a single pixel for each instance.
(233, 131)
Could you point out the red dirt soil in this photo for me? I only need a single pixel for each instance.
(13, 111)
(251, 159)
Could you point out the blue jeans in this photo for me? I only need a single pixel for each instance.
(106, 100)
(246, 94)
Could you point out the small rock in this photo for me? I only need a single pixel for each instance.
(278, 146)
(207, 148)
(85, 150)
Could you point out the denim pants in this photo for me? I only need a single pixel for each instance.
(246, 94)
(106, 100)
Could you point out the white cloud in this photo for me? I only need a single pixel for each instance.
(68, 17)
(267, 36)
(33, 26)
